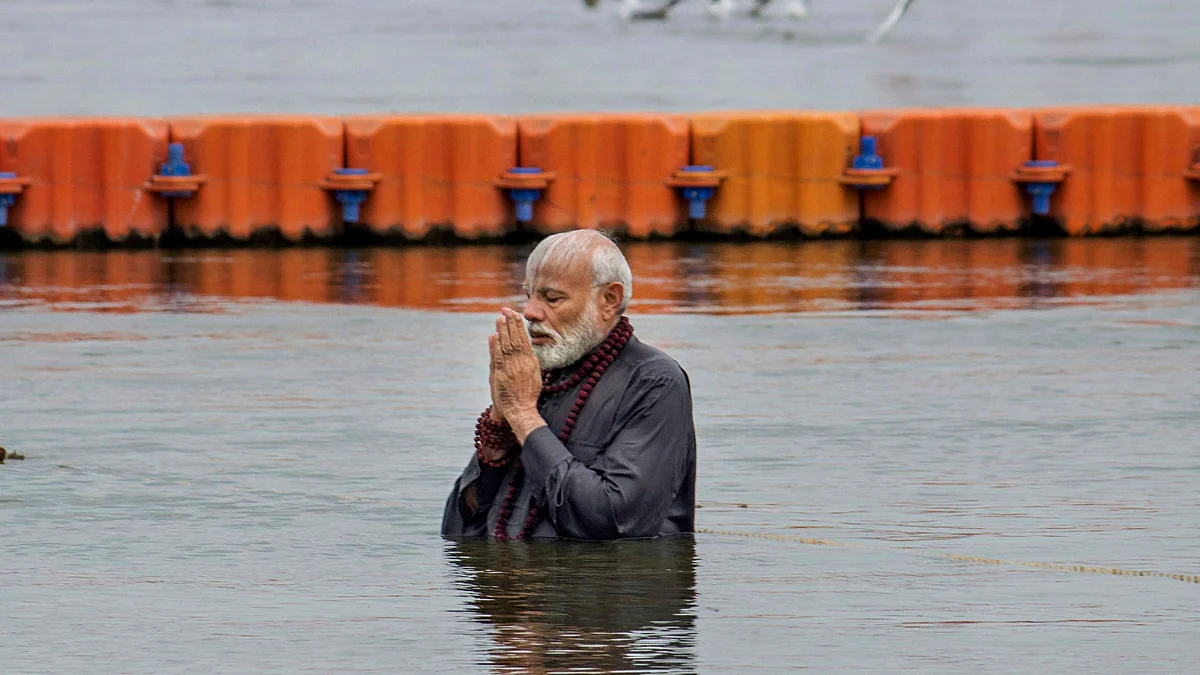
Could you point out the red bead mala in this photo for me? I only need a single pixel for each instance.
(494, 438)
(589, 373)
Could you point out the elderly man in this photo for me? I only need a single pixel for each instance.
(590, 433)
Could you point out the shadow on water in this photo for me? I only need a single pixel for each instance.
(747, 278)
(617, 607)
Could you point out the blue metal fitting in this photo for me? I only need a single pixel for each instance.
(697, 197)
(350, 200)
(175, 177)
(175, 166)
(866, 171)
(6, 200)
(524, 198)
(1040, 192)
(868, 158)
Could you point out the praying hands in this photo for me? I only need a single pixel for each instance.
(515, 376)
(620, 459)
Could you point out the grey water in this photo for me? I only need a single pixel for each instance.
(230, 478)
(236, 459)
(166, 57)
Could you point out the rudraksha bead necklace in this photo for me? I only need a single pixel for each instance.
(593, 368)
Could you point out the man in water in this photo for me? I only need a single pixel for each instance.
(590, 432)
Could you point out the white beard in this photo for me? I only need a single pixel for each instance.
(573, 343)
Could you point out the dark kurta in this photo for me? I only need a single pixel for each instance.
(628, 469)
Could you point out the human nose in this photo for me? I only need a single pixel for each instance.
(534, 312)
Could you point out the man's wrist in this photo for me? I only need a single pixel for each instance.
(525, 423)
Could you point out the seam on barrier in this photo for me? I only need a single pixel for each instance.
(345, 159)
(1033, 132)
(518, 158)
(860, 195)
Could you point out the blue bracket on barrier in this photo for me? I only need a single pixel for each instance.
(350, 200)
(10, 187)
(1041, 178)
(1041, 192)
(697, 197)
(697, 183)
(868, 157)
(867, 171)
(175, 178)
(523, 199)
(350, 187)
(6, 200)
(524, 185)
(175, 166)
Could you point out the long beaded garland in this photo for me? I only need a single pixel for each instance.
(496, 436)
(493, 438)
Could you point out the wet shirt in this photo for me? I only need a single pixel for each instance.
(627, 470)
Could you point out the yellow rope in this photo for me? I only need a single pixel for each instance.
(1187, 578)
(777, 537)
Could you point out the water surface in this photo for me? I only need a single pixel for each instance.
(237, 459)
(165, 57)
(237, 462)
(672, 277)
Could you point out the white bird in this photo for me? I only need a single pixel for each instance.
(720, 9)
(628, 9)
(797, 9)
(632, 10)
(890, 22)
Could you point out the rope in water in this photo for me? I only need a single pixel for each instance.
(1062, 567)
(776, 537)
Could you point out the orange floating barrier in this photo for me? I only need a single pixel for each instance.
(75, 176)
(954, 169)
(264, 173)
(610, 171)
(783, 170)
(1093, 169)
(1131, 167)
(436, 173)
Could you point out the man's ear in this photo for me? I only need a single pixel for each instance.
(611, 297)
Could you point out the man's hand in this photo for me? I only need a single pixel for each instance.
(495, 414)
(516, 377)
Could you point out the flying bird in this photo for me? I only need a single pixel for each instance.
(632, 10)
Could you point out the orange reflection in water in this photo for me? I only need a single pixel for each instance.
(668, 277)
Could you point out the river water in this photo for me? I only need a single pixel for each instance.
(237, 460)
(165, 57)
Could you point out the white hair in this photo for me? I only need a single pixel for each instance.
(608, 263)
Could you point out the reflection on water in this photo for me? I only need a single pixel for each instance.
(618, 607)
(256, 486)
(669, 277)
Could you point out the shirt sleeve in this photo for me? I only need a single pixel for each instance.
(629, 488)
(487, 481)
(486, 487)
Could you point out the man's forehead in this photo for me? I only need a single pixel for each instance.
(559, 275)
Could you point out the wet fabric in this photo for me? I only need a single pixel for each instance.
(628, 469)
